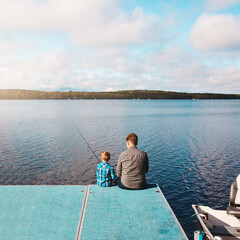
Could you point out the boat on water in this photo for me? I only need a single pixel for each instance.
(221, 224)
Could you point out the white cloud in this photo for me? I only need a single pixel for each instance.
(226, 79)
(47, 71)
(91, 23)
(107, 48)
(175, 69)
(216, 31)
(50, 61)
(9, 47)
(171, 69)
(213, 5)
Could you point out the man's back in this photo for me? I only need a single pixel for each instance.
(132, 166)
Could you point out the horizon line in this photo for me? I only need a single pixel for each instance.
(112, 91)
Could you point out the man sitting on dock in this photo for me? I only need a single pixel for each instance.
(132, 165)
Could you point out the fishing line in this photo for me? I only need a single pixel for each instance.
(85, 141)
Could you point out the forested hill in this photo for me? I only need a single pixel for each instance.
(130, 94)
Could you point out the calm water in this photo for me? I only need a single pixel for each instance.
(193, 146)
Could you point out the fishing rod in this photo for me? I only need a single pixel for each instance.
(85, 141)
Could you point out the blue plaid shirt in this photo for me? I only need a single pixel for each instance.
(105, 174)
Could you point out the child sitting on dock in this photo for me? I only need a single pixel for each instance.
(105, 172)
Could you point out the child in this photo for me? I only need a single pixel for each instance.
(105, 172)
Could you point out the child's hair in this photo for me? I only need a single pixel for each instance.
(105, 156)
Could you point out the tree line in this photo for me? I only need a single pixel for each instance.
(127, 94)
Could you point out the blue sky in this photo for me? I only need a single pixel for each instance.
(107, 45)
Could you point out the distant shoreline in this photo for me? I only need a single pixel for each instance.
(127, 94)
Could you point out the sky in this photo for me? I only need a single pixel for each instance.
(110, 45)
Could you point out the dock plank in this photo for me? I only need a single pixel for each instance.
(114, 213)
(40, 212)
(53, 212)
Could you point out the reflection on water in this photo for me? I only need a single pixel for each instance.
(193, 146)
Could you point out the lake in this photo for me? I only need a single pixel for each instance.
(193, 145)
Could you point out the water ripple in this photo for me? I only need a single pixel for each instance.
(193, 146)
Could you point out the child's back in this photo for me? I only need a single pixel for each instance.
(105, 172)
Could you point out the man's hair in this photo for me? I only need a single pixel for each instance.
(133, 138)
(105, 156)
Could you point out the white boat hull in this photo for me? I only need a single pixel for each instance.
(217, 224)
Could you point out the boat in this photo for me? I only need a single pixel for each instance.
(221, 224)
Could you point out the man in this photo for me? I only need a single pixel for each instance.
(132, 165)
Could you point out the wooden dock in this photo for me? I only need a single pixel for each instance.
(85, 212)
